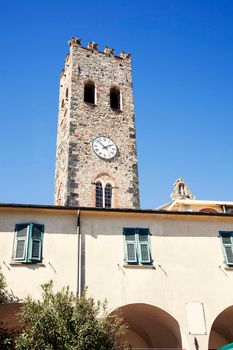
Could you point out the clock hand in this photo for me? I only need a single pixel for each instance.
(109, 145)
(101, 143)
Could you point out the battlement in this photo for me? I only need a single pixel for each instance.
(94, 47)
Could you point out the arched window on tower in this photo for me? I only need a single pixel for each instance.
(98, 195)
(115, 98)
(62, 104)
(89, 92)
(108, 196)
(67, 93)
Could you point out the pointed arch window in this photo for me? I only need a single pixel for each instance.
(115, 99)
(98, 195)
(108, 196)
(89, 92)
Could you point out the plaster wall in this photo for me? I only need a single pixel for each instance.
(188, 262)
(59, 252)
(188, 266)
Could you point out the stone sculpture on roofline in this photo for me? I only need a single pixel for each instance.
(181, 190)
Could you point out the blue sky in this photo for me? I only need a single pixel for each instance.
(183, 89)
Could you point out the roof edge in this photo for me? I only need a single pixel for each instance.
(112, 210)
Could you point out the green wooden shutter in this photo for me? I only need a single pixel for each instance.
(227, 241)
(130, 245)
(144, 245)
(20, 247)
(35, 246)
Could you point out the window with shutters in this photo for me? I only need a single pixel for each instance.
(137, 246)
(227, 244)
(28, 243)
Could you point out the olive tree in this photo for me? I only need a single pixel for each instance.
(64, 321)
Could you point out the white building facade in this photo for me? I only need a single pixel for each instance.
(171, 273)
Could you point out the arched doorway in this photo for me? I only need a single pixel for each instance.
(150, 327)
(222, 330)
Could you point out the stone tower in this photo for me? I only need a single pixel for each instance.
(96, 161)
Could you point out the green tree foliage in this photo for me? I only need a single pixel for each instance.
(7, 336)
(63, 321)
(4, 295)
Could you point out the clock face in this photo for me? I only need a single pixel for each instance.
(104, 147)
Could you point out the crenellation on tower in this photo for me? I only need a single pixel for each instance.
(96, 130)
(108, 51)
(92, 46)
(75, 41)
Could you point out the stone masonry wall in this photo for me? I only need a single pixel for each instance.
(77, 166)
(62, 153)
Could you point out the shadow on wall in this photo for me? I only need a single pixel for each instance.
(8, 315)
(150, 327)
(222, 329)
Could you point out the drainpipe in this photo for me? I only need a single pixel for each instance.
(78, 231)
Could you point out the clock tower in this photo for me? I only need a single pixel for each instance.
(96, 160)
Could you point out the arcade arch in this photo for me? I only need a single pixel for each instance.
(150, 327)
(222, 331)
